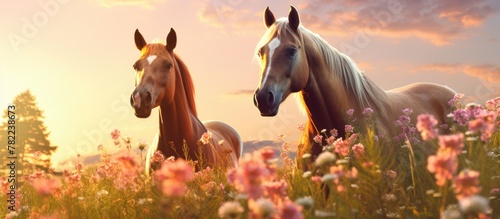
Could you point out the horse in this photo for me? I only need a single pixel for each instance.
(293, 59)
(163, 80)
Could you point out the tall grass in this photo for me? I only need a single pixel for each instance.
(360, 182)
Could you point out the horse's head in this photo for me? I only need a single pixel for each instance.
(283, 65)
(155, 74)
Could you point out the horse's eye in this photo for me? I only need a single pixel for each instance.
(167, 66)
(290, 52)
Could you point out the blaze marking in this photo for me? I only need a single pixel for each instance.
(273, 44)
(151, 58)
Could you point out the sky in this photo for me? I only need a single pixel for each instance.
(76, 57)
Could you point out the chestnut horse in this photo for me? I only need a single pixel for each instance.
(162, 79)
(328, 82)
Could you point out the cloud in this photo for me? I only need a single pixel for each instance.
(230, 16)
(144, 3)
(435, 21)
(243, 92)
(485, 72)
(439, 22)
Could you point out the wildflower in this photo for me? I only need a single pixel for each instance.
(318, 139)
(173, 188)
(307, 174)
(484, 123)
(301, 127)
(305, 202)
(466, 183)
(230, 210)
(115, 134)
(443, 166)
(267, 153)
(316, 179)
(359, 150)
(349, 128)
(403, 120)
(291, 210)
(367, 112)
(206, 137)
(262, 208)
(461, 116)
(334, 133)
(281, 136)
(350, 112)
(451, 143)
(341, 147)
(142, 144)
(12, 214)
(324, 159)
(276, 190)
(407, 111)
(425, 125)
(389, 197)
(101, 193)
(391, 174)
(286, 146)
(329, 177)
(179, 170)
(158, 157)
(99, 147)
(474, 204)
(330, 140)
(452, 212)
(45, 186)
(455, 101)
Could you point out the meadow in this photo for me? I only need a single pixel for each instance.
(352, 178)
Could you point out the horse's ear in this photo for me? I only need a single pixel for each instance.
(293, 19)
(269, 17)
(139, 40)
(171, 40)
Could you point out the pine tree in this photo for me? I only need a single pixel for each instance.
(33, 148)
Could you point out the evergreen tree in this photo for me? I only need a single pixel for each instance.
(33, 148)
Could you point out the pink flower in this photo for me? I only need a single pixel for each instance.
(443, 165)
(367, 112)
(334, 133)
(349, 128)
(267, 153)
(350, 112)
(341, 147)
(206, 137)
(330, 140)
(173, 188)
(461, 116)
(281, 136)
(425, 125)
(392, 174)
(276, 190)
(451, 143)
(115, 134)
(466, 183)
(359, 150)
(290, 210)
(99, 147)
(46, 186)
(484, 123)
(455, 101)
(301, 127)
(158, 157)
(318, 139)
(407, 111)
(178, 170)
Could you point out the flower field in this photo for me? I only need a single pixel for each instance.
(351, 178)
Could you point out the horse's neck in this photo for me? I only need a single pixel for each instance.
(178, 124)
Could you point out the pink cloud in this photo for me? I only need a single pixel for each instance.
(435, 21)
(144, 3)
(486, 72)
(439, 22)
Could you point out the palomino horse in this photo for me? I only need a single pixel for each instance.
(162, 79)
(328, 82)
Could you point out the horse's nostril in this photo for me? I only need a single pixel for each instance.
(148, 98)
(270, 99)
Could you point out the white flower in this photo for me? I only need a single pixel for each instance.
(12, 214)
(306, 202)
(329, 177)
(230, 210)
(101, 193)
(474, 204)
(452, 212)
(307, 174)
(325, 158)
(263, 207)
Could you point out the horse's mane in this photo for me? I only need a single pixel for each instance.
(339, 64)
(158, 48)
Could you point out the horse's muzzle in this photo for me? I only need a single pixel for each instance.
(267, 102)
(141, 102)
